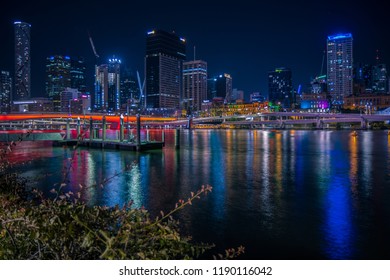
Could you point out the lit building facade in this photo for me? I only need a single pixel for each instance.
(165, 53)
(57, 78)
(379, 79)
(194, 85)
(78, 74)
(5, 92)
(107, 86)
(339, 67)
(130, 93)
(280, 89)
(22, 61)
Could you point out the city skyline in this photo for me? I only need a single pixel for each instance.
(249, 41)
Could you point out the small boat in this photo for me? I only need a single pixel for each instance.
(354, 133)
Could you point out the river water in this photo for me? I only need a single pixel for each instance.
(281, 194)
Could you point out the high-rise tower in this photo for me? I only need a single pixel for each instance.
(194, 84)
(165, 53)
(280, 90)
(339, 66)
(58, 78)
(224, 87)
(107, 86)
(5, 92)
(22, 61)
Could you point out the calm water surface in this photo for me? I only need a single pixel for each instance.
(282, 195)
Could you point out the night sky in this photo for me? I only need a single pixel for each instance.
(243, 38)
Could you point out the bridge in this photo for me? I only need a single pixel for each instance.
(293, 119)
(50, 121)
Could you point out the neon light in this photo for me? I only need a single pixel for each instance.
(340, 36)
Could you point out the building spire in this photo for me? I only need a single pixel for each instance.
(194, 52)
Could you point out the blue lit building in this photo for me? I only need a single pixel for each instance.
(339, 67)
(107, 86)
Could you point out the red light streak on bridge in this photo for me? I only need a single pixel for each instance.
(21, 117)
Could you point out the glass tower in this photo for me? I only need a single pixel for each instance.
(58, 78)
(22, 61)
(339, 67)
(165, 53)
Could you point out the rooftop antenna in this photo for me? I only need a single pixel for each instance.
(194, 52)
(142, 97)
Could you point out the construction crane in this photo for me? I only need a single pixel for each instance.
(93, 46)
(141, 91)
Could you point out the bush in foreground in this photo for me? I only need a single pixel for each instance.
(35, 227)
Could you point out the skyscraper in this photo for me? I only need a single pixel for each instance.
(114, 84)
(165, 53)
(107, 86)
(280, 90)
(130, 93)
(22, 61)
(58, 78)
(339, 67)
(78, 74)
(194, 84)
(5, 92)
(224, 87)
(379, 79)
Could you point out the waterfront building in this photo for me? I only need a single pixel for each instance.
(224, 87)
(339, 67)
(313, 102)
(256, 97)
(107, 86)
(367, 103)
(58, 78)
(194, 85)
(280, 90)
(22, 61)
(5, 92)
(165, 53)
